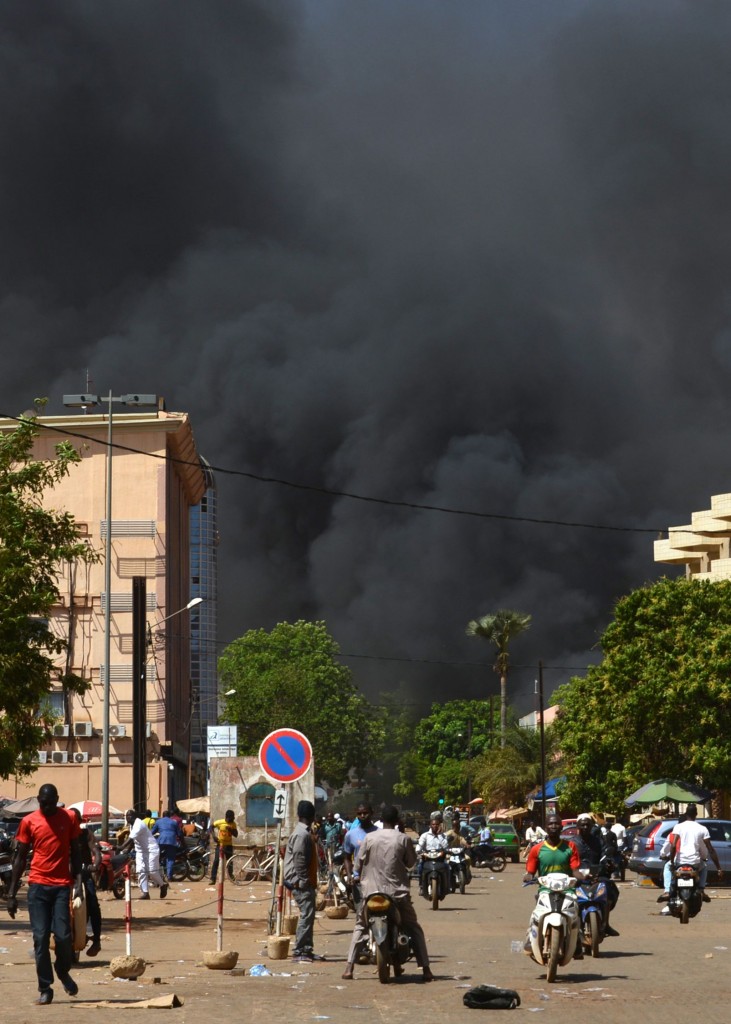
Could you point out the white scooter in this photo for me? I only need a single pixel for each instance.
(554, 924)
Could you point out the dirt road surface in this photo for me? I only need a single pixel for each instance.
(657, 970)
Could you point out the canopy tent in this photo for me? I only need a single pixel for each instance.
(507, 813)
(673, 791)
(93, 809)
(195, 805)
(476, 802)
(551, 794)
(17, 807)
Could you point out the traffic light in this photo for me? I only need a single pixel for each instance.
(440, 801)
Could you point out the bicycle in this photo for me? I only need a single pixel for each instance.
(251, 867)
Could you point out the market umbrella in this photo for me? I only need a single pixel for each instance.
(93, 809)
(195, 805)
(25, 806)
(673, 791)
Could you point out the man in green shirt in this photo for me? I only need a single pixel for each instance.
(552, 855)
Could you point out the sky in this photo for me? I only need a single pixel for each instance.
(465, 254)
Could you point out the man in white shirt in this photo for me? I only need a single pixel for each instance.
(147, 854)
(691, 844)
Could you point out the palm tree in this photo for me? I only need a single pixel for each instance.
(499, 629)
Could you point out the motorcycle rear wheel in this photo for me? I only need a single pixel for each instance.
(382, 965)
(118, 888)
(594, 934)
(498, 862)
(196, 870)
(684, 912)
(434, 893)
(461, 882)
(554, 952)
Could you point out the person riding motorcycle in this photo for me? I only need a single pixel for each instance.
(433, 841)
(551, 855)
(594, 849)
(454, 839)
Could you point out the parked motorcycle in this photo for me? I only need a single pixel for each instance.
(191, 862)
(434, 877)
(593, 898)
(111, 873)
(389, 945)
(554, 924)
(686, 897)
(459, 868)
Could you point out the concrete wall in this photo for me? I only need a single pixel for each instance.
(232, 777)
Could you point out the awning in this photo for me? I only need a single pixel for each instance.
(537, 793)
(196, 805)
(507, 813)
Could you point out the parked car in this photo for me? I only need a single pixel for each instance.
(506, 840)
(645, 856)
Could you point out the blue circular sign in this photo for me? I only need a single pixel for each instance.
(285, 755)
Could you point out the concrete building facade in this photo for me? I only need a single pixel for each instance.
(156, 477)
(703, 546)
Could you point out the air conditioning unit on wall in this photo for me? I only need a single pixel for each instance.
(41, 756)
(59, 757)
(81, 757)
(83, 729)
(61, 730)
(117, 732)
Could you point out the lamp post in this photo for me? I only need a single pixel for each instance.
(85, 402)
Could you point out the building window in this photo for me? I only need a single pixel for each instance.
(260, 805)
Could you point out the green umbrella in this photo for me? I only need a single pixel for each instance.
(674, 791)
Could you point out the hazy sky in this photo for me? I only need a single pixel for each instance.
(466, 254)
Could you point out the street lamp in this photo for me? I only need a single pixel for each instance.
(85, 402)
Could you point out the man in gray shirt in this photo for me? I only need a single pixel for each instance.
(383, 864)
(300, 877)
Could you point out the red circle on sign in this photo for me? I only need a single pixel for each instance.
(285, 755)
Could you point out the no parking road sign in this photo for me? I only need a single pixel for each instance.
(285, 755)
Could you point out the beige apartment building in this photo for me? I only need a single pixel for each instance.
(156, 477)
(703, 546)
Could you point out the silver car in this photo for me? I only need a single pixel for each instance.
(645, 858)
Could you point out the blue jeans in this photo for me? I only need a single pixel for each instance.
(168, 853)
(303, 941)
(48, 909)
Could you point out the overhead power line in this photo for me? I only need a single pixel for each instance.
(352, 495)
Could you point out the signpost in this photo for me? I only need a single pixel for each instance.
(285, 755)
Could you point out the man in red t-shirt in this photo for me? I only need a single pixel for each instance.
(53, 832)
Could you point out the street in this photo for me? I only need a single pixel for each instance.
(654, 968)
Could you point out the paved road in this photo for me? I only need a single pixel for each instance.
(657, 970)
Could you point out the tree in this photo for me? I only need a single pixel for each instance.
(504, 775)
(290, 677)
(499, 629)
(444, 743)
(35, 542)
(659, 704)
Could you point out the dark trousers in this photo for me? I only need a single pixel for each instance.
(48, 909)
(303, 940)
(228, 851)
(168, 853)
(92, 909)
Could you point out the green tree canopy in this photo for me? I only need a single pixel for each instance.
(34, 544)
(290, 677)
(504, 775)
(659, 704)
(444, 744)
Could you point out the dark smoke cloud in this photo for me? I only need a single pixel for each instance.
(471, 255)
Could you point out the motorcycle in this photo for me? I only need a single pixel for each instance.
(191, 862)
(434, 877)
(6, 864)
(554, 924)
(686, 897)
(593, 899)
(389, 945)
(111, 873)
(486, 856)
(459, 868)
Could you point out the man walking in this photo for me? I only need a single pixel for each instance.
(147, 856)
(170, 837)
(300, 877)
(53, 832)
(383, 863)
(224, 832)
